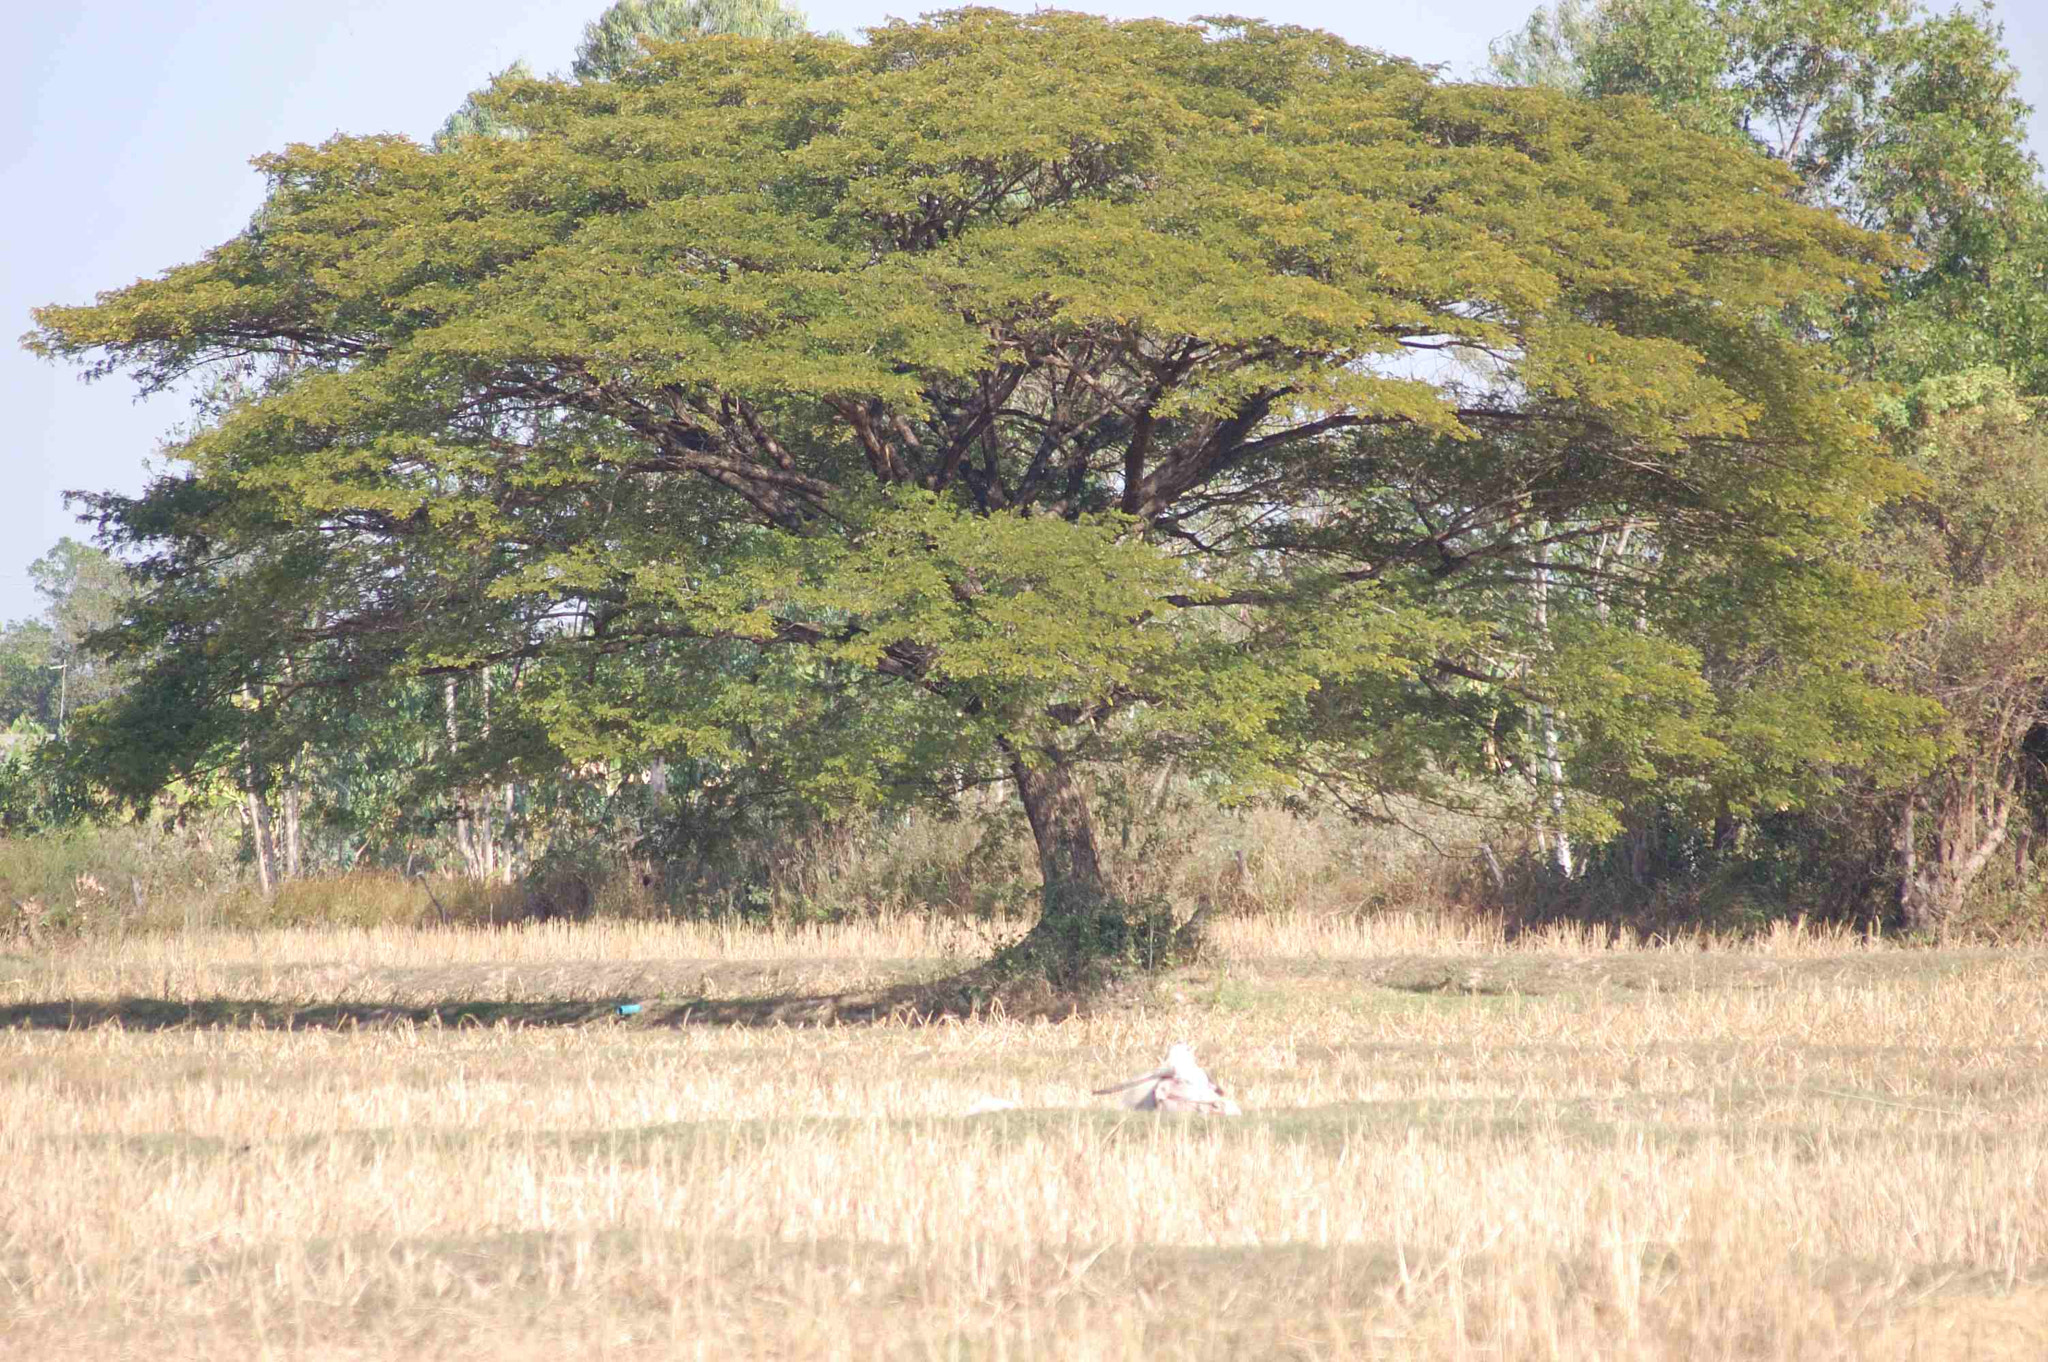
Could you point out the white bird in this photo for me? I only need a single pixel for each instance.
(985, 1104)
(1177, 1085)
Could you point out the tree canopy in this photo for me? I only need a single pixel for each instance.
(616, 38)
(1899, 117)
(1035, 388)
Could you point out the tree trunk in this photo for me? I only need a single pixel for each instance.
(470, 832)
(290, 802)
(258, 813)
(461, 805)
(510, 808)
(259, 831)
(1969, 814)
(505, 871)
(1727, 837)
(1559, 845)
(294, 860)
(486, 824)
(1906, 842)
(1064, 829)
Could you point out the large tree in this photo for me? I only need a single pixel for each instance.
(1041, 388)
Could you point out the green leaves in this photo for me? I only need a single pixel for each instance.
(622, 35)
(1009, 383)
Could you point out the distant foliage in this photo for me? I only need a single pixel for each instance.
(618, 37)
(475, 119)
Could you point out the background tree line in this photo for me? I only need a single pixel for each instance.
(749, 434)
(1904, 120)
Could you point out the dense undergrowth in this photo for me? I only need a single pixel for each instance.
(93, 880)
(972, 866)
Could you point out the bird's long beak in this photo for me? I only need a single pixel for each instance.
(1160, 1072)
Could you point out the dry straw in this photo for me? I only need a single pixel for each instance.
(1455, 1146)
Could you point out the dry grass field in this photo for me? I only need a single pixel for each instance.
(446, 1144)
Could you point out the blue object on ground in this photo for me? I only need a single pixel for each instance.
(628, 1009)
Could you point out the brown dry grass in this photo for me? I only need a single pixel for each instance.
(1456, 1146)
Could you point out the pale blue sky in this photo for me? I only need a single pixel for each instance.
(128, 128)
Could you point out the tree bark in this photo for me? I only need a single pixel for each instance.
(1064, 829)
(1559, 845)
(470, 832)
(1970, 813)
(259, 830)
(294, 861)
(487, 842)
(505, 871)
(290, 803)
(258, 812)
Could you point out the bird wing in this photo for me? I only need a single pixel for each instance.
(1155, 1075)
